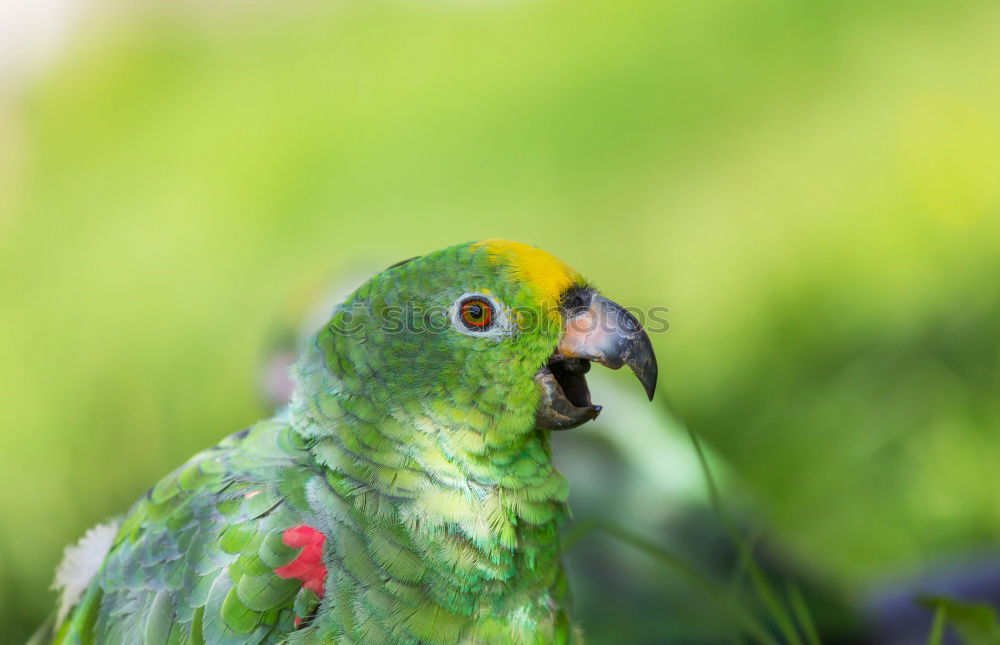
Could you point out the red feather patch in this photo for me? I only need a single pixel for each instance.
(308, 564)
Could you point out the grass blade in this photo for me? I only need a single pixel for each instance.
(802, 614)
(937, 628)
(762, 587)
(739, 614)
(760, 583)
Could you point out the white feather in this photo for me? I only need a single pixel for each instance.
(80, 563)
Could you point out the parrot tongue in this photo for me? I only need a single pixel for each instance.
(565, 399)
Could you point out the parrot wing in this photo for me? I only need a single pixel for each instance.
(217, 552)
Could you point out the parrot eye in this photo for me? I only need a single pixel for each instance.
(477, 314)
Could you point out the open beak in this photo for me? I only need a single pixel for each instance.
(595, 329)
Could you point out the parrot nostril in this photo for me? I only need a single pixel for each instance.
(576, 300)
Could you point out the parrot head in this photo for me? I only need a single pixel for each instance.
(496, 333)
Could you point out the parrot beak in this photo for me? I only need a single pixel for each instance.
(595, 329)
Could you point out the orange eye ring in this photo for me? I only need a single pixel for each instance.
(477, 314)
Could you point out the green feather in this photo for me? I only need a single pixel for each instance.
(159, 620)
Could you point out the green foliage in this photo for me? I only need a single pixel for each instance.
(810, 186)
(727, 601)
(976, 623)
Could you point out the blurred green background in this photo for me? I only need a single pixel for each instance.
(812, 187)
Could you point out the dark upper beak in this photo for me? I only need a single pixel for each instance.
(597, 329)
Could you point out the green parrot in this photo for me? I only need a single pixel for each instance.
(406, 494)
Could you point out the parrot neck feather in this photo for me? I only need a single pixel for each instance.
(464, 480)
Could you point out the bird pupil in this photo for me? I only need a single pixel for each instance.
(476, 314)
